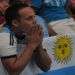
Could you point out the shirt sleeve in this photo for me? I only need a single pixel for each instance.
(5, 48)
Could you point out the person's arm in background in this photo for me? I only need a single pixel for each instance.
(51, 32)
(16, 64)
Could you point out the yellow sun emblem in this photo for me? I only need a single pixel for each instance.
(63, 49)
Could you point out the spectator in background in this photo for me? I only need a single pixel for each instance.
(4, 4)
(70, 7)
(67, 25)
(17, 54)
(51, 11)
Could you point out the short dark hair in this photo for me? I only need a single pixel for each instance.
(12, 12)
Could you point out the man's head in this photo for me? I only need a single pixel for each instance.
(20, 16)
(4, 4)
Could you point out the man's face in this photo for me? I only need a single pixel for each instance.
(27, 18)
(4, 4)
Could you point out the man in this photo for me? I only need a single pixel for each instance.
(21, 20)
(38, 18)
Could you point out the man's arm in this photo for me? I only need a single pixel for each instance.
(42, 59)
(16, 64)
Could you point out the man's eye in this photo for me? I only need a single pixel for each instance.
(29, 18)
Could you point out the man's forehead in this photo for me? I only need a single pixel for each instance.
(26, 10)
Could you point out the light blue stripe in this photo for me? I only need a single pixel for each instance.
(64, 71)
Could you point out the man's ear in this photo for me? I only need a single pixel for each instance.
(15, 23)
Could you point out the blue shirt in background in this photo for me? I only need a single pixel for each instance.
(52, 9)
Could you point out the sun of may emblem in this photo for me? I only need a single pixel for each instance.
(63, 49)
